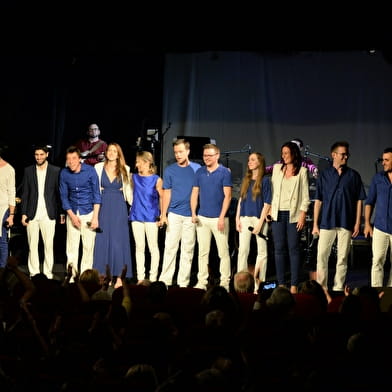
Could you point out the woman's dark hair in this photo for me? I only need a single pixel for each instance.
(295, 154)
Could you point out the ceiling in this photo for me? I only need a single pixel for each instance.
(110, 29)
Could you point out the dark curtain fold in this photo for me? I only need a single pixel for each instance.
(265, 99)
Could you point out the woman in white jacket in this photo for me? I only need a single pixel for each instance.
(112, 242)
(290, 203)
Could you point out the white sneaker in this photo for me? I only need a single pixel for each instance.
(200, 286)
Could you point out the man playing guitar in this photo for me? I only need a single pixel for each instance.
(92, 148)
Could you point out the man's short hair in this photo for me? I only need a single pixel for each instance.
(181, 141)
(342, 143)
(72, 149)
(41, 146)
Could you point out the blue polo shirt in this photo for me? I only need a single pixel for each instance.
(79, 191)
(250, 207)
(211, 186)
(180, 181)
(339, 195)
(380, 197)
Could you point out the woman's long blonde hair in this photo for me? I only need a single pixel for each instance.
(121, 170)
(248, 178)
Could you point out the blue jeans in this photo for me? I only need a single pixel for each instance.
(286, 237)
(4, 241)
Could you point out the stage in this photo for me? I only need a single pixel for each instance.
(358, 273)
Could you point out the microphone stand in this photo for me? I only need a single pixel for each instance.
(247, 148)
(162, 146)
(316, 155)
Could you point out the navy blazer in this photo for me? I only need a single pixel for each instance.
(29, 194)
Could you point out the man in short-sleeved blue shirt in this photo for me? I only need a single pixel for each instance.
(337, 213)
(210, 201)
(176, 214)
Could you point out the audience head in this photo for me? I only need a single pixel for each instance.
(157, 292)
(244, 282)
(312, 287)
(90, 280)
(281, 300)
(141, 377)
(218, 298)
(215, 319)
(209, 380)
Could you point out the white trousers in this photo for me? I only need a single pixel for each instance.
(325, 242)
(380, 243)
(205, 229)
(73, 240)
(141, 230)
(47, 228)
(179, 228)
(245, 237)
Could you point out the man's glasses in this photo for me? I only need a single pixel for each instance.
(209, 155)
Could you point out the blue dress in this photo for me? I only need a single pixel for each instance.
(112, 246)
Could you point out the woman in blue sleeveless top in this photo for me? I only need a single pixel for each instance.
(145, 214)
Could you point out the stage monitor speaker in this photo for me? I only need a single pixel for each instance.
(196, 145)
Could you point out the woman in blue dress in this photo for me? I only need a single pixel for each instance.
(112, 245)
(145, 214)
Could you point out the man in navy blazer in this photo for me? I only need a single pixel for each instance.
(40, 207)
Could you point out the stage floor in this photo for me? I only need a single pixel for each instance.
(358, 273)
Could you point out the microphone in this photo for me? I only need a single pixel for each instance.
(97, 230)
(261, 235)
(314, 240)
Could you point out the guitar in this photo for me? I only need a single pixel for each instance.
(89, 153)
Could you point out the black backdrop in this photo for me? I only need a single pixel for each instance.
(53, 98)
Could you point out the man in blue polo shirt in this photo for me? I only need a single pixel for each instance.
(338, 204)
(81, 199)
(380, 199)
(211, 195)
(177, 188)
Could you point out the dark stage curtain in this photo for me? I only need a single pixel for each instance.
(262, 100)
